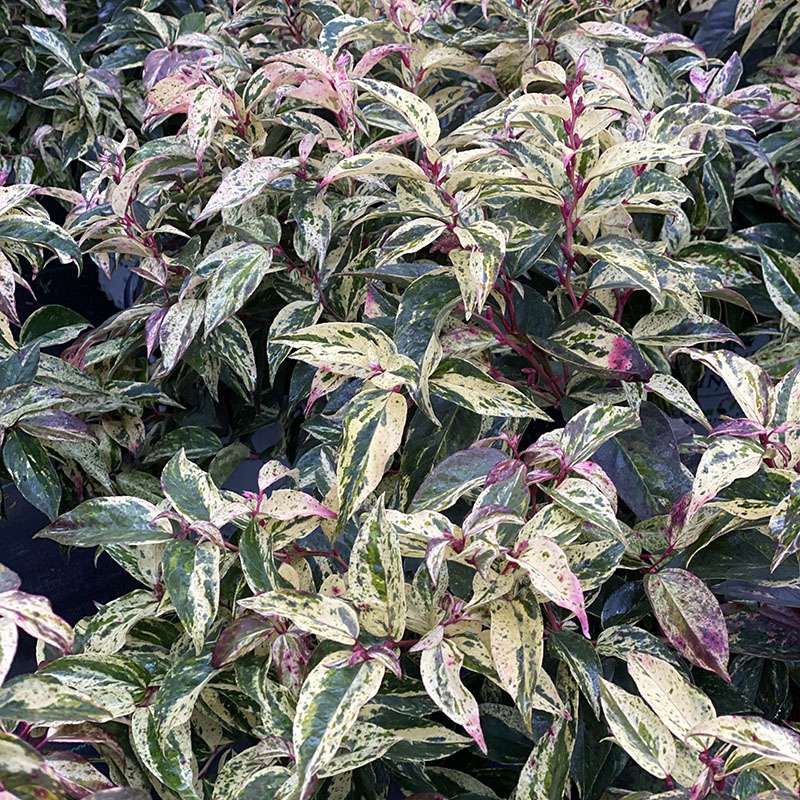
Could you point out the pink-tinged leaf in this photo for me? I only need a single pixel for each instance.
(286, 504)
(624, 357)
(391, 142)
(152, 327)
(739, 427)
(34, 615)
(550, 574)
(160, 63)
(9, 580)
(8, 286)
(440, 669)
(375, 55)
(690, 618)
(241, 636)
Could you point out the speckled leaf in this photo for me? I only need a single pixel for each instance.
(289, 504)
(107, 630)
(169, 758)
(292, 317)
(411, 236)
(582, 498)
(754, 735)
(590, 428)
(356, 349)
(365, 743)
(782, 279)
(545, 775)
(24, 773)
(549, 571)
(109, 520)
(749, 384)
(675, 393)
(46, 700)
(629, 154)
(373, 429)
(375, 163)
(329, 703)
(32, 471)
(766, 11)
(580, 656)
(621, 261)
(247, 776)
(678, 704)
(414, 109)
(178, 329)
(440, 668)
(597, 345)
(54, 8)
(8, 646)
(784, 525)
(457, 474)
(678, 328)
(314, 220)
(190, 490)
(244, 183)
(477, 265)
(174, 702)
(517, 644)
(463, 384)
(204, 113)
(233, 273)
(33, 614)
(43, 232)
(422, 311)
(725, 460)
(690, 617)
(326, 617)
(375, 579)
(58, 44)
(191, 576)
(638, 730)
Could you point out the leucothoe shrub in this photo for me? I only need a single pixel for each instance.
(517, 285)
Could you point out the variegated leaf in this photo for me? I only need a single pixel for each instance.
(754, 735)
(204, 113)
(678, 704)
(638, 730)
(108, 521)
(326, 617)
(191, 576)
(234, 273)
(330, 700)
(415, 110)
(749, 384)
(549, 571)
(545, 775)
(373, 429)
(244, 183)
(375, 579)
(464, 384)
(440, 669)
(355, 349)
(517, 642)
(375, 163)
(690, 618)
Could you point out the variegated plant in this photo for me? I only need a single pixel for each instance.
(518, 286)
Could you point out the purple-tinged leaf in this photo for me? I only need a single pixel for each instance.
(34, 615)
(690, 617)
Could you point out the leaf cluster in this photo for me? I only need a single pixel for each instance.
(512, 292)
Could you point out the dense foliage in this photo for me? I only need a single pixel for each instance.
(482, 266)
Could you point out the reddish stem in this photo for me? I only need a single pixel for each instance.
(569, 207)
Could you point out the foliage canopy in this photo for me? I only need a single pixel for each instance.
(478, 264)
